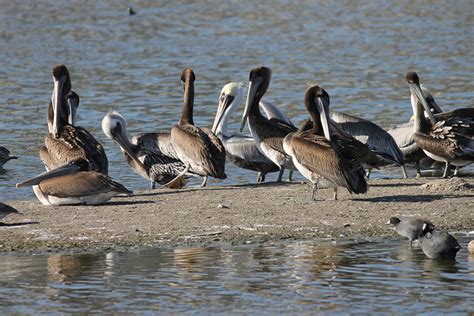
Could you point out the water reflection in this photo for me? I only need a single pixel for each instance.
(360, 276)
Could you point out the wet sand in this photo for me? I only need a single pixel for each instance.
(236, 214)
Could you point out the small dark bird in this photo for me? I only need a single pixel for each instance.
(438, 244)
(5, 156)
(6, 210)
(412, 228)
(131, 11)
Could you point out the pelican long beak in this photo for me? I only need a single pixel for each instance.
(224, 103)
(418, 96)
(58, 172)
(56, 99)
(324, 116)
(125, 145)
(72, 104)
(254, 84)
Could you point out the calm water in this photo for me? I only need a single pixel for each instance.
(351, 276)
(359, 51)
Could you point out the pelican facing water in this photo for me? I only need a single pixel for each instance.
(315, 155)
(150, 155)
(449, 138)
(198, 148)
(268, 134)
(65, 142)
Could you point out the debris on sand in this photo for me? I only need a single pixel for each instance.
(447, 185)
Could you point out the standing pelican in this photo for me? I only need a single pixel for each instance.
(74, 184)
(198, 148)
(315, 155)
(449, 137)
(376, 138)
(65, 142)
(151, 155)
(5, 156)
(403, 135)
(239, 148)
(268, 134)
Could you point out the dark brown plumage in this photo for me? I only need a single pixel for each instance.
(315, 154)
(199, 149)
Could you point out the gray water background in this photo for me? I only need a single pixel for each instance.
(359, 51)
(382, 276)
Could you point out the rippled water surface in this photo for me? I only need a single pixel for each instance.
(370, 276)
(358, 50)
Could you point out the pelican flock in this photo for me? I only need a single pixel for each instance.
(333, 147)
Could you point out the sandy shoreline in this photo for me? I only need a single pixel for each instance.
(236, 214)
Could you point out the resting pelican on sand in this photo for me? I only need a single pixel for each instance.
(198, 148)
(241, 149)
(72, 156)
(74, 184)
(403, 134)
(376, 138)
(268, 134)
(151, 155)
(315, 155)
(5, 156)
(449, 137)
(65, 142)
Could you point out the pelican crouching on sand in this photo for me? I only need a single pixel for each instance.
(268, 134)
(315, 155)
(5, 156)
(65, 142)
(70, 184)
(198, 148)
(150, 155)
(450, 139)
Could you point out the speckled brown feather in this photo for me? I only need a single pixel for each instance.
(74, 143)
(317, 154)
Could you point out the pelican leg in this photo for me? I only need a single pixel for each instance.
(290, 175)
(280, 174)
(456, 171)
(152, 185)
(335, 193)
(410, 242)
(179, 176)
(315, 188)
(260, 177)
(203, 184)
(368, 172)
(418, 171)
(446, 169)
(404, 172)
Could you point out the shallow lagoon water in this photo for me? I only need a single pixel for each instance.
(356, 276)
(358, 51)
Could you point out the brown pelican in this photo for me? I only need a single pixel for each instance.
(67, 143)
(268, 134)
(74, 184)
(372, 135)
(403, 135)
(198, 148)
(354, 147)
(5, 156)
(239, 148)
(314, 153)
(449, 137)
(151, 155)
